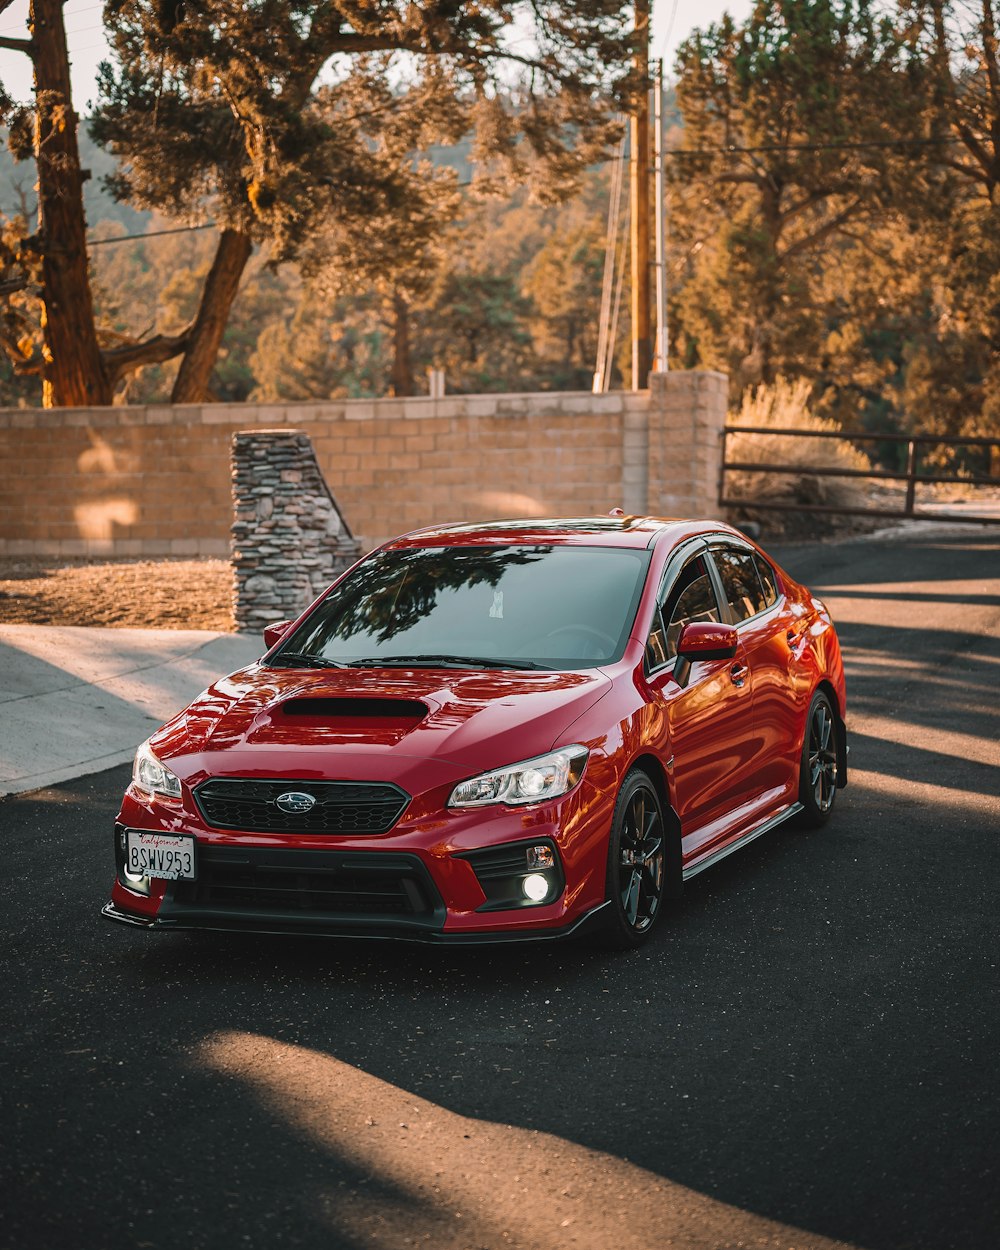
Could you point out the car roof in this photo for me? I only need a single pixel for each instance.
(587, 531)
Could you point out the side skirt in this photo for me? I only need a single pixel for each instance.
(713, 858)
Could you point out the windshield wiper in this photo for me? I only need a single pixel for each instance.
(300, 659)
(432, 660)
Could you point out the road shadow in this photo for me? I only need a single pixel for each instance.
(775, 1048)
(803, 1054)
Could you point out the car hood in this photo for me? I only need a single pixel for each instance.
(417, 728)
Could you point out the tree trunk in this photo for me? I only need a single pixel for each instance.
(767, 308)
(991, 107)
(402, 368)
(74, 374)
(205, 338)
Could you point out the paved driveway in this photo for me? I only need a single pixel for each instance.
(805, 1055)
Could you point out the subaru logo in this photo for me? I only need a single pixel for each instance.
(295, 802)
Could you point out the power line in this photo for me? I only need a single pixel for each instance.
(156, 234)
(153, 234)
(68, 12)
(809, 147)
(719, 151)
(670, 29)
(734, 150)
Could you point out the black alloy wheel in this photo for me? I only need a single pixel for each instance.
(818, 769)
(636, 863)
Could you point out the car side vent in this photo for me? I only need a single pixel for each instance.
(353, 708)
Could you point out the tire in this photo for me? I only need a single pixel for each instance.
(636, 874)
(818, 767)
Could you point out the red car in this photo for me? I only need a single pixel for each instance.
(490, 733)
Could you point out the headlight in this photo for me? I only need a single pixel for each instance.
(150, 775)
(532, 781)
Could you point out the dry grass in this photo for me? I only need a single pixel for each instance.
(136, 594)
(785, 405)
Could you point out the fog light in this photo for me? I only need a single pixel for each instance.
(541, 857)
(535, 887)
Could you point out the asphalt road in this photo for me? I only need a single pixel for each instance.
(806, 1054)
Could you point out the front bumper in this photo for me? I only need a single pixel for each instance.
(293, 926)
(449, 877)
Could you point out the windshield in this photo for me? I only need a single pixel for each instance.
(539, 606)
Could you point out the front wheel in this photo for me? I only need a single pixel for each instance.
(818, 768)
(636, 864)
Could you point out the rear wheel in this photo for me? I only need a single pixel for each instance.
(818, 769)
(636, 864)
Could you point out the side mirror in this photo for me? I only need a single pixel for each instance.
(703, 640)
(273, 634)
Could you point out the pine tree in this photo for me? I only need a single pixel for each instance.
(293, 125)
(786, 164)
(952, 376)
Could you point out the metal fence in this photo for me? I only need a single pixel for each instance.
(912, 476)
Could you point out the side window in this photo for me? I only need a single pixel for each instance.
(691, 598)
(767, 580)
(656, 643)
(740, 582)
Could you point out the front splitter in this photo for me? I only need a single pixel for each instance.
(437, 937)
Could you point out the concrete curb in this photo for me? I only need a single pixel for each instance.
(76, 700)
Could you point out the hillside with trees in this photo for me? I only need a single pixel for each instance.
(833, 206)
(300, 129)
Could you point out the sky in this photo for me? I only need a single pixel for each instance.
(672, 21)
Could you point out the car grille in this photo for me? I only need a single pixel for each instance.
(308, 886)
(344, 807)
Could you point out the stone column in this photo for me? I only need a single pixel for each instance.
(687, 412)
(289, 539)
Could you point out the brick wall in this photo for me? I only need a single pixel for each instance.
(155, 480)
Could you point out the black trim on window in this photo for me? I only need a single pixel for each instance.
(677, 562)
(722, 541)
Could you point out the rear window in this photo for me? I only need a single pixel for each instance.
(740, 581)
(768, 580)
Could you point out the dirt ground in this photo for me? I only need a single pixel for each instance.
(126, 594)
(197, 594)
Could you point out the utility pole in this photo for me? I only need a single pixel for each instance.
(662, 340)
(642, 341)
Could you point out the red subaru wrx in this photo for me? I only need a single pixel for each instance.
(491, 733)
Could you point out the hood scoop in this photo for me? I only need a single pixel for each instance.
(333, 720)
(408, 711)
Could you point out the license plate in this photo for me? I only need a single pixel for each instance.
(169, 856)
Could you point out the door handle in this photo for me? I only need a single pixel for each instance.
(738, 673)
(794, 637)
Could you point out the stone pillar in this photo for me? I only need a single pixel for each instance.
(687, 412)
(289, 539)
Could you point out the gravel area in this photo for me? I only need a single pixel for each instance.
(128, 594)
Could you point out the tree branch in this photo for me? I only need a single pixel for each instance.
(867, 246)
(807, 201)
(121, 360)
(990, 52)
(350, 44)
(26, 46)
(976, 148)
(970, 171)
(24, 366)
(753, 180)
(810, 240)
